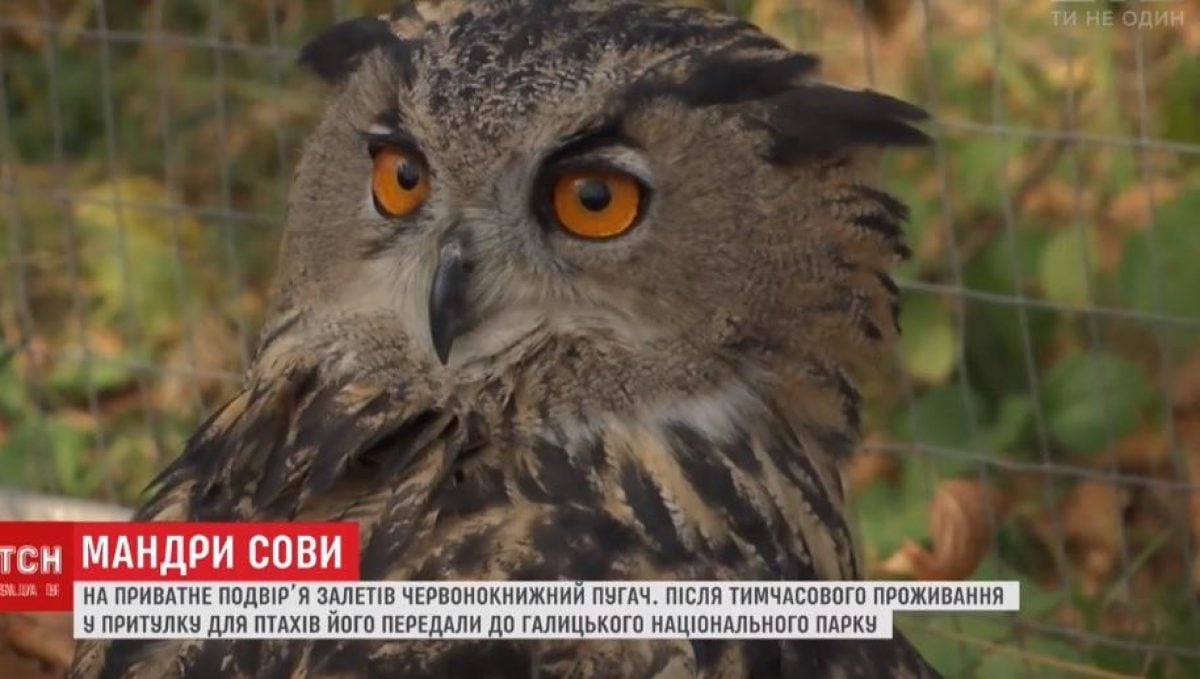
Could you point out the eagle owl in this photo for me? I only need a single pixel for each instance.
(569, 289)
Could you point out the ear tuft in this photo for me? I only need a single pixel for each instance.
(334, 54)
(817, 120)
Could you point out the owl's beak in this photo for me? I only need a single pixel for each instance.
(447, 300)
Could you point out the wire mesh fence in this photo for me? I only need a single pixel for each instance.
(1040, 420)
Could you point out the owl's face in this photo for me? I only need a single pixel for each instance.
(662, 184)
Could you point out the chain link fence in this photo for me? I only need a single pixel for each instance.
(1040, 420)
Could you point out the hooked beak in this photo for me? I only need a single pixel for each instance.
(447, 300)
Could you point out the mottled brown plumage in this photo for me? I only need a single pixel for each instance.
(671, 403)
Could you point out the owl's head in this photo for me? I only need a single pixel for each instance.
(664, 194)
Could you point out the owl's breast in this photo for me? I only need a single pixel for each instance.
(638, 498)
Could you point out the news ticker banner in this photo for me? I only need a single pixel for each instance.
(301, 581)
(519, 610)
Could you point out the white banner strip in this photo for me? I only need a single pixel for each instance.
(519, 610)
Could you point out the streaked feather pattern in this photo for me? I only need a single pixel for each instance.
(651, 497)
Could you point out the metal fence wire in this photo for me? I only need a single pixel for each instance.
(1040, 420)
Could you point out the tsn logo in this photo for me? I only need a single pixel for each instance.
(30, 560)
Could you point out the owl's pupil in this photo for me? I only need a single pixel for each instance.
(594, 195)
(409, 175)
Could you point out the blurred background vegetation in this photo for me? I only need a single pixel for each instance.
(1040, 422)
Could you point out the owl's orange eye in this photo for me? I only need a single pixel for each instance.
(597, 203)
(399, 182)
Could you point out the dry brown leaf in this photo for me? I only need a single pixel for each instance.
(25, 25)
(35, 644)
(900, 564)
(1185, 381)
(43, 635)
(1131, 210)
(764, 12)
(1110, 250)
(1191, 35)
(1143, 452)
(106, 342)
(961, 521)
(1191, 439)
(1091, 518)
(1052, 198)
(868, 467)
(1196, 577)
(1092, 512)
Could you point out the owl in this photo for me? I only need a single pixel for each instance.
(568, 290)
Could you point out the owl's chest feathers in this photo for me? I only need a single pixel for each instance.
(713, 487)
(515, 478)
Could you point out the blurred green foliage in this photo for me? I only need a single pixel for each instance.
(1051, 311)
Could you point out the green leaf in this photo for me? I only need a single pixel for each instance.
(43, 453)
(891, 514)
(134, 267)
(1021, 551)
(938, 640)
(15, 453)
(13, 401)
(1035, 656)
(1066, 266)
(1159, 273)
(1092, 399)
(976, 645)
(1010, 430)
(68, 447)
(994, 268)
(940, 417)
(929, 343)
(74, 380)
(976, 170)
(997, 344)
(997, 337)
(1182, 95)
